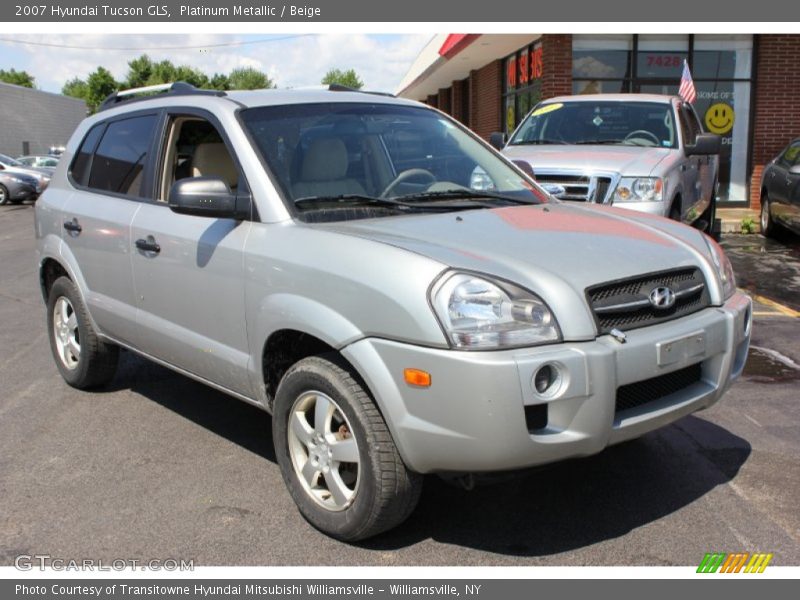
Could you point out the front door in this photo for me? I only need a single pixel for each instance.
(188, 270)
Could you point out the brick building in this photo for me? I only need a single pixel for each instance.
(490, 82)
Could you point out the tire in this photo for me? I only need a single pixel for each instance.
(368, 490)
(768, 225)
(709, 215)
(83, 360)
(4, 199)
(675, 210)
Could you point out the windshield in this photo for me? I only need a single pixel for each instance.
(359, 160)
(8, 161)
(602, 122)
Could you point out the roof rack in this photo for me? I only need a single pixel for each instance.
(336, 87)
(178, 88)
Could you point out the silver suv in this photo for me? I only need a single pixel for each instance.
(320, 254)
(643, 152)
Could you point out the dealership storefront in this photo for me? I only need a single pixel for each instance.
(741, 81)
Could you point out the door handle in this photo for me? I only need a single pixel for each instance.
(73, 226)
(148, 245)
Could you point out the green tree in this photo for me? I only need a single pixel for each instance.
(219, 81)
(75, 87)
(99, 84)
(139, 71)
(248, 78)
(347, 78)
(15, 77)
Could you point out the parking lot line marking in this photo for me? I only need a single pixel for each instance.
(789, 312)
(764, 313)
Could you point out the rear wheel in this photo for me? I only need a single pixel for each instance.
(768, 226)
(336, 454)
(83, 360)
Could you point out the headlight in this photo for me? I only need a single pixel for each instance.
(478, 314)
(480, 180)
(639, 189)
(724, 268)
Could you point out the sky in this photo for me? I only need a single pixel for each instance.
(290, 60)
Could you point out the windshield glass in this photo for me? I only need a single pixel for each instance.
(7, 160)
(388, 159)
(602, 122)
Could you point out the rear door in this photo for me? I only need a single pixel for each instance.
(190, 292)
(110, 175)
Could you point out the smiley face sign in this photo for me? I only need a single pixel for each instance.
(719, 118)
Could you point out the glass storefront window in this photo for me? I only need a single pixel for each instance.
(661, 56)
(721, 65)
(522, 85)
(722, 57)
(601, 57)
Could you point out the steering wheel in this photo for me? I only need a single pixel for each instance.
(645, 133)
(422, 174)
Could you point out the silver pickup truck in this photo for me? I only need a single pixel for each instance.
(643, 152)
(321, 255)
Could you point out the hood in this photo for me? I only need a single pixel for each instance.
(635, 161)
(555, 250)
(34, 173)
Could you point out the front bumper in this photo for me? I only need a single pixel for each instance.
(653, 208)
(473, 416)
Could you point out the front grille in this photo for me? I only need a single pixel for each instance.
(625, 304)
(576, 187)
(580, 188)
(640, 393)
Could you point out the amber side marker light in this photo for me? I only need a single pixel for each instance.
(417, 377)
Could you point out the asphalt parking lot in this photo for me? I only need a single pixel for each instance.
(159, 466)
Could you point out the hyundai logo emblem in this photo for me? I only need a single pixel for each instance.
(662, 298)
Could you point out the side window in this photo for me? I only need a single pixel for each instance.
(791, 156)
(196, 149)
(689, 126)
(119, 161)
(83, 158)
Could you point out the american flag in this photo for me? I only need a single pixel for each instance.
(686, 90)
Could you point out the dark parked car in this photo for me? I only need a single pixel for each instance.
(780, 192)
(16, 187)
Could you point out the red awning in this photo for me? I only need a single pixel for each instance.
(455, 43)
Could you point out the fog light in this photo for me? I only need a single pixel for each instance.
(544, 379)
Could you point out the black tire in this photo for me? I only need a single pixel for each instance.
(675, 210)
(768, 225)
(384, 492)
(3, 195)
(96, 361)
(709, 215)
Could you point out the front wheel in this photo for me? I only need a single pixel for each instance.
(768, 226)
(336, 454)
(4, 195)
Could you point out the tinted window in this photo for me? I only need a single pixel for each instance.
(120, 158)
(791, 156)
(80, 166)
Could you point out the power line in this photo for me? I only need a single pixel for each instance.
(146, 48)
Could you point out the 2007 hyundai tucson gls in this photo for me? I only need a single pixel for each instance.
(319, 253)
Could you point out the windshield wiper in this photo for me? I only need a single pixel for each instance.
(598, 142)
(537, 142)
(349, 200)
(489, 198)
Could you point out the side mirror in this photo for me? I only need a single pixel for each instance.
(208, 197)
(706, 143)
(525, 167)
(794, 169)
(498, 140)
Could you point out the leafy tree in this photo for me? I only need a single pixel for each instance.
(139, 71)
(219, 81)
(347, 78)
(99, 84)
(75, 87)
(248, 78)
(15, 77)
